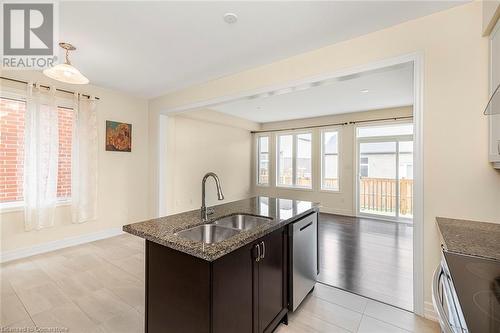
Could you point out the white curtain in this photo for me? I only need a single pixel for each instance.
(40, 157)
(84, 160)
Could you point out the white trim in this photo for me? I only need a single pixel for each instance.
(162, 165)
(336, 211)
(395, 138)
(11, 206)
(417, 59)
(257, 157)
(386, 218)
(295, 188)
(429, 311)
(418, 190)
(6, 256)
(15, 94)
(18, 206)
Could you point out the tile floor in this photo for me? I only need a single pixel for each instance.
(99, 287)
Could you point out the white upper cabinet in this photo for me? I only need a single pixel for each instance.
(494, 120)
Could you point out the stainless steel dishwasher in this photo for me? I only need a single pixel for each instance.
(303, 236)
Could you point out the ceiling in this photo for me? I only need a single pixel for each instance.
(150, 48)
(383, 88)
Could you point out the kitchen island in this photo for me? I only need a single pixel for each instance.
(237, 284)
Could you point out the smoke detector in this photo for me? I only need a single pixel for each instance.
(230, 18)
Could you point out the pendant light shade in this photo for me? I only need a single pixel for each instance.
(66, 72)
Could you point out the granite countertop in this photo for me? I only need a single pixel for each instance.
(470, 237)
(162, 230)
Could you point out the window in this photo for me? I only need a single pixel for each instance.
(303, 172)
(294, 160)
(363, 166)
(263, 160)
(385, 130)
(285, 160)
(65, 122)
(12, 113)
(330, 160)
(11, 149)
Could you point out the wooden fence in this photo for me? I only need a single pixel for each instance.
(380, 195)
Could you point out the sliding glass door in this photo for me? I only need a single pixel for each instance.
(385, 171)
(377, 178)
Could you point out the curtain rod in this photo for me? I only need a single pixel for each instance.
(337, 124)
(44, 86)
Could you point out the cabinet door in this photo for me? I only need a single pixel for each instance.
(232, 299)
(271, 280)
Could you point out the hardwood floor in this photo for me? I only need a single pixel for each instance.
(99, 288)
(369, 257)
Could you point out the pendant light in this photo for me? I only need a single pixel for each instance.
(66, 72)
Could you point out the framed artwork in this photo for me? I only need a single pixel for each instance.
(118, 136)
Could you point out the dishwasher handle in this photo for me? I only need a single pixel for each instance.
(307, 225)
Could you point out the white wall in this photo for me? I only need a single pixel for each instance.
(458, 180)
(196, 146)
(343, 201)
(123, 187)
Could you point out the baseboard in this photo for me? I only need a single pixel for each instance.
(58, 244)
(337, 211)
(429, 311)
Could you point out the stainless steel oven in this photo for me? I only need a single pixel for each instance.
(446, 302)
(466, 294)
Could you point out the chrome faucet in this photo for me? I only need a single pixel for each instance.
(204, 210)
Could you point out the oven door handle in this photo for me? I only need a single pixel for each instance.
(436, 299)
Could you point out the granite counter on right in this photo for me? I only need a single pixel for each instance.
(473, 238)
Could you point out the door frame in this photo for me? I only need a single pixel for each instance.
(396, 139)
(417, 58)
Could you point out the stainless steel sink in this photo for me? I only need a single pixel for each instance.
(241, 221)
(208, 233)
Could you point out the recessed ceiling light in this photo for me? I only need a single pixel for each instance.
(364, 91)
(230, 18)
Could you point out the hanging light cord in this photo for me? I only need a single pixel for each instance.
(67, 57)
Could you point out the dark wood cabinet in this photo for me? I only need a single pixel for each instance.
(251, 279)
(177, 291)
(271, 288)
(232, 296)
(244, 291)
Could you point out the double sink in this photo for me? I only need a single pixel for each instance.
(223, 228)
